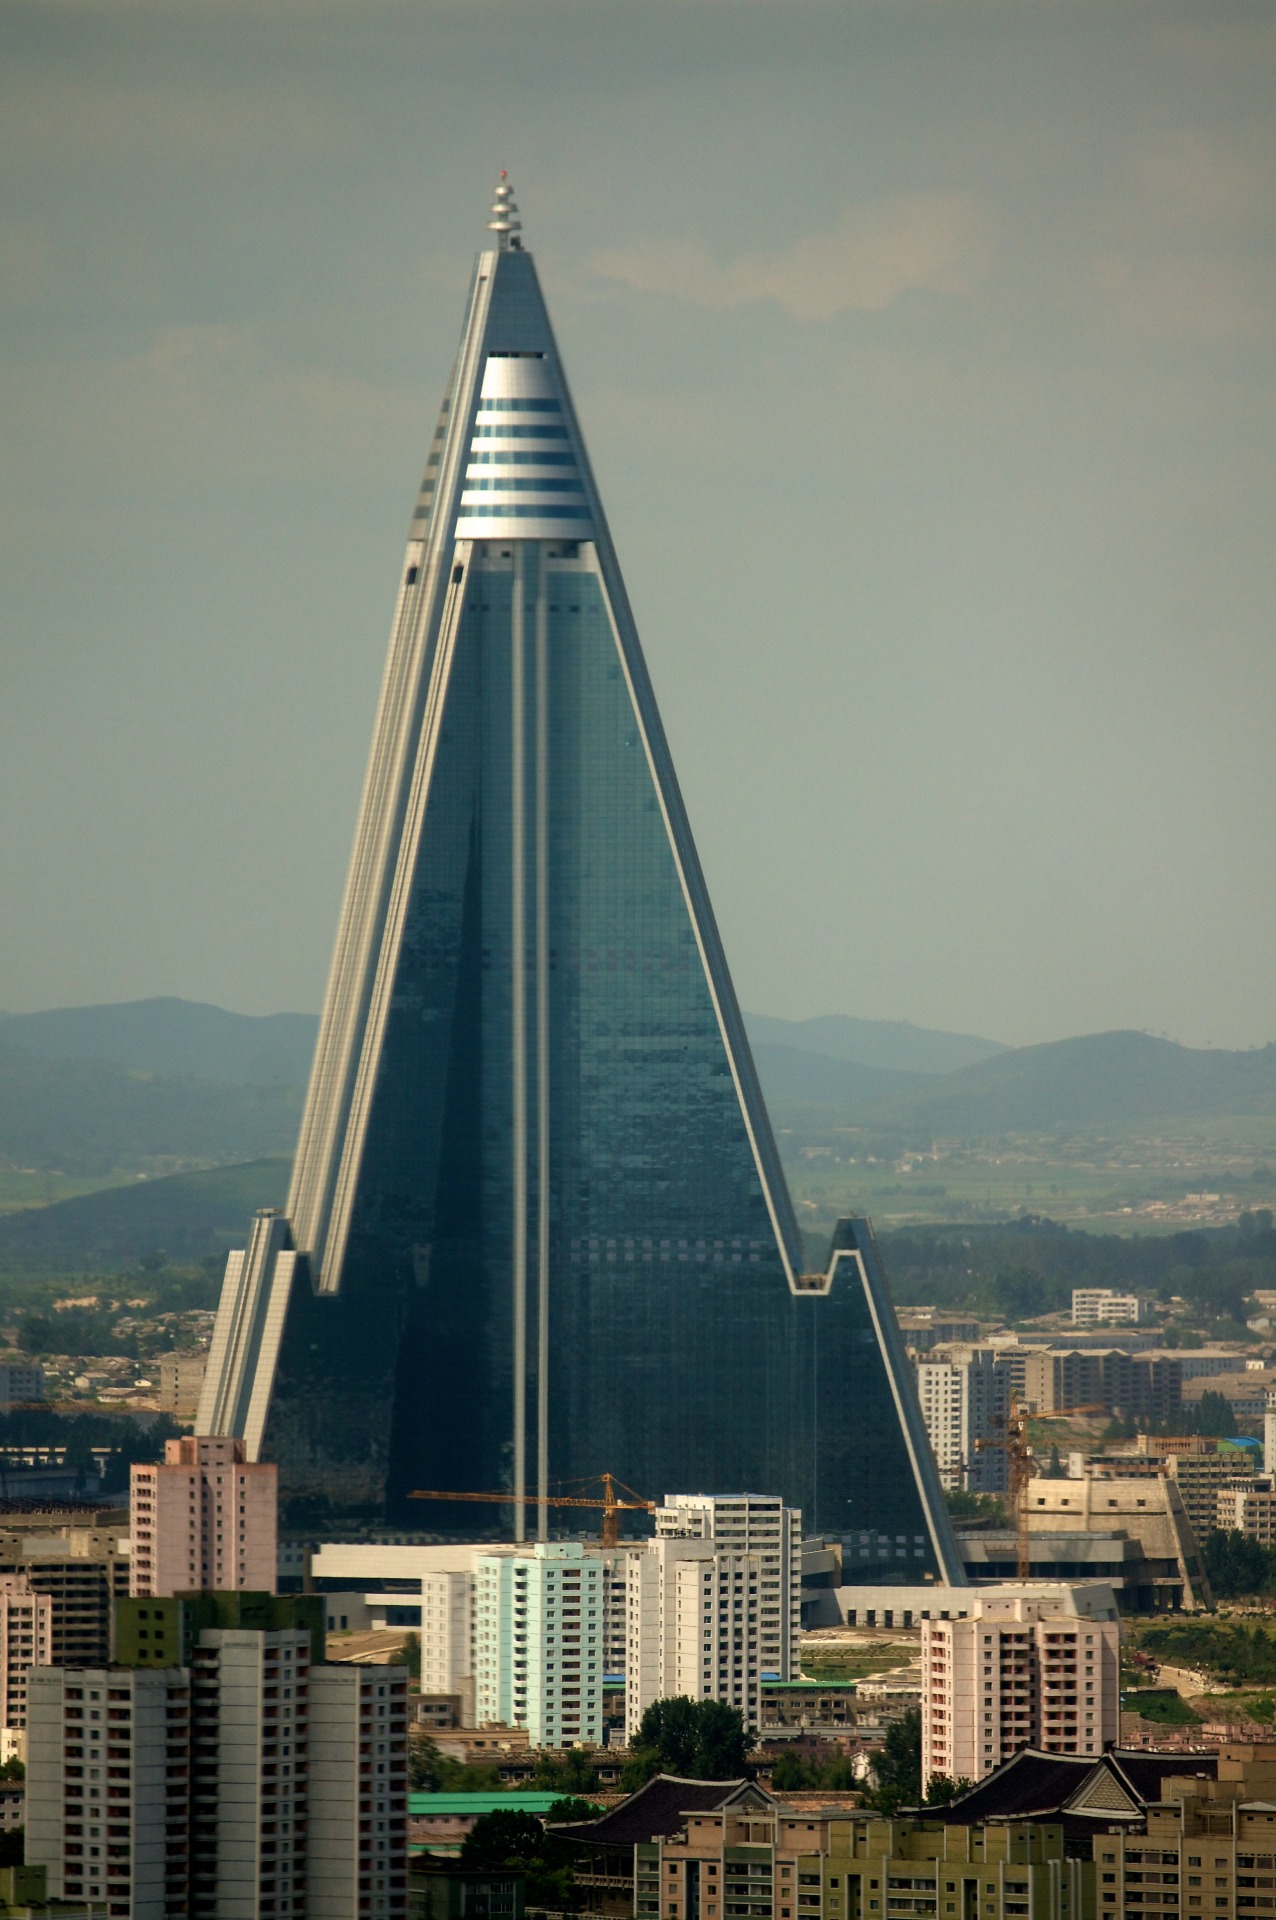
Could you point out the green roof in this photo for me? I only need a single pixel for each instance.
(427, 1803)
(821, 1686)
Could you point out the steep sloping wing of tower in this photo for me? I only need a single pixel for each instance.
(537, 1224)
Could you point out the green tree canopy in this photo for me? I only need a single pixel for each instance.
(697, 1739)
(510, 1838)
(897, 1766)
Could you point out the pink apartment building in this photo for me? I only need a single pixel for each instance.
(204, 1519)
(1019, 1671)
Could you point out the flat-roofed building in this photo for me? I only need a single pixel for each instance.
(108, 1787)
(1015, 1673)
(1249, 1509)
(203, 1518)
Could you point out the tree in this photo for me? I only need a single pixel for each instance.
(697, 1739)
(1214, 1416)
(430, 1771)
(570, 1809)
(897, 1766)
(575, 1773)
(506, 1838)
(1236, 1565)
(409, 1656)
(940, 1789)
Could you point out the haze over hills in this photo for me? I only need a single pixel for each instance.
(161, 1085)
(173, 1038)
(896, 1045)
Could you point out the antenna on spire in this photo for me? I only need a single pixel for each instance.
(505, 220)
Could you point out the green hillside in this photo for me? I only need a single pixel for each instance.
(94, 1117)
(186, 1216)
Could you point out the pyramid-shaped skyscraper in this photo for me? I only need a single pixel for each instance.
(538, 1226)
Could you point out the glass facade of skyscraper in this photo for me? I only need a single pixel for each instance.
(541, 1226)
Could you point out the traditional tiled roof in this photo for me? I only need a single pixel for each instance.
(1041, 1786)
(657, 1809)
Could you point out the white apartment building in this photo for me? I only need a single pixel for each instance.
(1105, 1307)
(538, 1642)
(1269, 1432)
(204, 1519)
(1017, 1672)
(714, 1603)
(356, 1862)
(107, 1814)
(962, 1391)
(1249, 1509)
(447, 1636)
(26, 1641)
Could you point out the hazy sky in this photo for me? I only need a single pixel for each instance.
(925, 354)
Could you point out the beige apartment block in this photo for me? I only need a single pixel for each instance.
(714, 1602)
(1249, 1509)
(26, 1641)
(204, 1519)
(181, 1380)
(1105, 1307)
(447, 1635)
(81, 1567)
(1201, 1477)
(1208, 1848)
(1015, 1673)
(759, 1857)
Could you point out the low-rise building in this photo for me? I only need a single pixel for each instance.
(21, 1381)
(714, 1849)
(1105, 1307)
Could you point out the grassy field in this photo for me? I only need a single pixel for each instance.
(1101, 1183)
(853, 1660)
(25, 1188)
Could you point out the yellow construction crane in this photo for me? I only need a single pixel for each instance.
(610, 1506)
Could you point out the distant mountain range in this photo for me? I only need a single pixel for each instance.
(161, 1083)
(173, 1038)
(894, 1045)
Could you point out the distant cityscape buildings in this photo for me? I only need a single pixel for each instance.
(1105, 1307)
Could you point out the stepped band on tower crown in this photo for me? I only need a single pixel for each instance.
(537, 1224)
